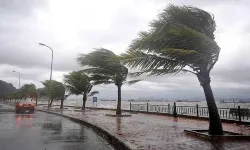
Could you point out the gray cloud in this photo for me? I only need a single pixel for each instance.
(23, 7)
(69, 30)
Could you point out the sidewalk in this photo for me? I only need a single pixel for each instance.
(153, 132)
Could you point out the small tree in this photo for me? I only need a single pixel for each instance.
(34, 94)
(105, 68)
(78, 83)
(180, 40)
(62, 100)
(57, 90)
(27, 89)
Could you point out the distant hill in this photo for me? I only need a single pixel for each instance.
(6, 87)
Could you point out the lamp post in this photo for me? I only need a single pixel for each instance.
(51, 65)
(18, 78)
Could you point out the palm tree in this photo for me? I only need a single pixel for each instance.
(78, 83)
(62, 100)
(34, 94)
(40, 93)
(105, 68)
(27, 89)
(57, 90)
(180, 40)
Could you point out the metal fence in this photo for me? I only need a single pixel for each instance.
(240, 114)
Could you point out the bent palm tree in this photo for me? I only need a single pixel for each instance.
(27, 89)
(34, 94)
(57, 90)
(78, 83)
(180, 40)
(105, 68)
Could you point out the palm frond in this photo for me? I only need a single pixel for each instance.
(73, 90)
(100, 77)
(164, 71)
(97, 58)
(192, 17)
(135, 74)
(99, 71)
(145, 61)
(132, 82)
(93, 93)
(77, 82)
(57, 89)
(66, 96)
(181, 36)
(104, 67)
(102, 82)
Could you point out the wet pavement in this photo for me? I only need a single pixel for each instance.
(154, 132)
(42, 131)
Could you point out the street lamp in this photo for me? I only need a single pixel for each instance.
(51, 65)
(18, 78)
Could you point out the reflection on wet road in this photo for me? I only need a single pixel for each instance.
(42, 131)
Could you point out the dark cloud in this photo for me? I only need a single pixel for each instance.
(24, 23)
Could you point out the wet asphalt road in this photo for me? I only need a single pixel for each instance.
(42, 131)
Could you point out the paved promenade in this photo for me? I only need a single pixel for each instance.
(154, 132)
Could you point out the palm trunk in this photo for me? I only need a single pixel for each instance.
(84, 99)
(118, 109)
(215, 126)
(62, 103)
(36, 100)
(50, 104)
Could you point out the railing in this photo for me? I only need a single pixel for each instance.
(151, 108)
(160, 108)
(240, 114)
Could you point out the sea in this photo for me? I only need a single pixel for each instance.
(126, 103)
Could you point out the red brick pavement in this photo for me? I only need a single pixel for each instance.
(153, 132)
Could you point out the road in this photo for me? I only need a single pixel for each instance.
(42, 131)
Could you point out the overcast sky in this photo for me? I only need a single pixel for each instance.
(71, 27)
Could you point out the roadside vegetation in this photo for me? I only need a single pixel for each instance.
(78, 83)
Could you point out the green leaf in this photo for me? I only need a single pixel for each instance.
(93, 93)
(102, 82)
(104, 67)
(132, 82)
(77, 82)
(180, 37)
(57, 89)
(136, 74)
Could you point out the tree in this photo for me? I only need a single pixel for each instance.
(26, 90)
(105, 68)
(40, 93)
(10, 96)
(62, 100)
(6, 87)
(16, 95)
(34, 94)
(180, 40)
(78, 83)
(57, 90)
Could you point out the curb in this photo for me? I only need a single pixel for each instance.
(111, 139)
(228, 136)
